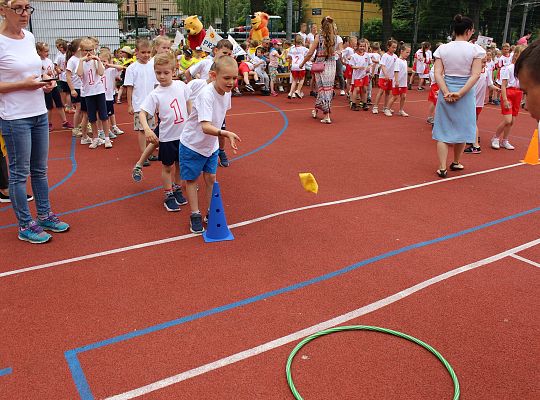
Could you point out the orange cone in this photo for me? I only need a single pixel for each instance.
(531, 157)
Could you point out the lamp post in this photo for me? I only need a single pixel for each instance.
(507, 21)
(361, 35)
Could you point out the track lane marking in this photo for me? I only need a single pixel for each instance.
(525, 260)
(248, 222)
(298, 335)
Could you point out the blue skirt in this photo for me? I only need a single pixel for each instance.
(455, 122)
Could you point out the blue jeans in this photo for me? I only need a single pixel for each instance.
(27, 144)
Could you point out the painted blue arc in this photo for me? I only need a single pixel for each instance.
(78, 374)
(6, 371)
(76, 210)
(61, 182)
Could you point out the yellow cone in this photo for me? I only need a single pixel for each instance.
(531, 157)
(308, 182)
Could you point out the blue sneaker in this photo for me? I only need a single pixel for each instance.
(179, 197)
(34, 233)
(223, 160)
(137, 174)
(170, 203)
(195, 223)
(52, 223)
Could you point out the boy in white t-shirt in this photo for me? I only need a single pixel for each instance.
(296, 55)
(360, 62)
(199, 140)
(171, 101)
(140, 80)
(386, 74)
(399, 82)
(109, 78)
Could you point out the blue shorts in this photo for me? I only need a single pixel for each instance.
(193, 163)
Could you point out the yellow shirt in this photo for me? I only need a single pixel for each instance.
(185, 64)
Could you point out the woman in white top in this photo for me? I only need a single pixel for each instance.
(458, 65)
(24, 122)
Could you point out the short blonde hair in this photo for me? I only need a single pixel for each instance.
(165, 59)
(224, 62)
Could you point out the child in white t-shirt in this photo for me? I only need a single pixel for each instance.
(109, 78)
(199, 140)
(360, 64)
(49, 71)
(375, 54)
(296, 55)
(90, 70)
(511, 96)
(259, 65)
(399, 83)
(432, 96)
(60, 67)
(80, 118)
(386, 74)
(346, 55)
(171, 101)
(140, 80)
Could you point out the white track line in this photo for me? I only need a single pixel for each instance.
(315, 328)
(526, 260)
(249, 222)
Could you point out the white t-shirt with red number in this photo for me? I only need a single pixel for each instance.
(71, 66)
(297, 54)
(47, 67)
(170, 102)
(388, 60)
(18, 61)
(360, 60)
(91, 82)
(504, 61)
(209, 106)
(508, 74)
(422, 63)
(400, 66)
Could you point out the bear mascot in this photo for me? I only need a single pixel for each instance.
(259, 26)
(195, 31)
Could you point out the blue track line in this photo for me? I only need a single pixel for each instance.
(76, 210)
(6, 371)
(77, 372)
(64, 179)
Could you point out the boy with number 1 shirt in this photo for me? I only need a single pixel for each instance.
(199, 140)
(171, 101)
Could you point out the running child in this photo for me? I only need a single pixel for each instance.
(360, 64)
(48, 71)
(386, 74)
(296, 56)
(199, 140)
(399, 83)
(511, 99)
(171, 101)
(90, 70)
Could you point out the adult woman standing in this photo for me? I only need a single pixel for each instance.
(458, 66)
(323, 46)
(24, 123)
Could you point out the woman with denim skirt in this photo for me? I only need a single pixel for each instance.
(24, 122)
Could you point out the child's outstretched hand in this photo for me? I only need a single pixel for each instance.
(233, 137)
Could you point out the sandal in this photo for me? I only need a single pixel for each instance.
(456, 166)
(442, 173)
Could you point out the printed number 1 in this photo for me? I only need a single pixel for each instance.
(90, 77)
(178, 114)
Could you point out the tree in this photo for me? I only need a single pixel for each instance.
(207, 10)
(258, 5)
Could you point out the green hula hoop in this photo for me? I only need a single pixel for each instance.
(367, 328)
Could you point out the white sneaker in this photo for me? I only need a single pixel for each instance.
(112, 135)
(375, 110)
(388, 113)
(108, 143)
(101, 135)
(495, 144)
(117, 130)
(506, 144)
(281, 89)
(403, 113)
(76, 132)
(86, 140)
(95, 143)
(342, 93)
(101, 142)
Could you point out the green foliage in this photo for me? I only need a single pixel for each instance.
(207, 10)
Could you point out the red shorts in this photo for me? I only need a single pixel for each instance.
(385, 84)
(396, 91)
(432, 96)
(243, 67)
(361, 82)
(298, 74)
(478, 111)
(514, 96)
(348, 72)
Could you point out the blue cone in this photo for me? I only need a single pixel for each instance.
(217, 228)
